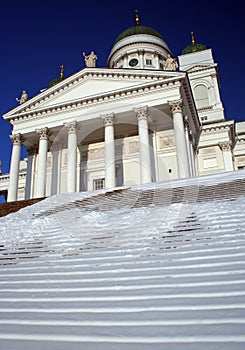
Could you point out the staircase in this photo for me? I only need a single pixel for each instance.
(159, 266)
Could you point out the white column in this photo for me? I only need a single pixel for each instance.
(218, 102)
(125, 62)
(227, 155)
(192, 154)
(187, 140)
(145, 156)
(32, 151)
(180, 141)
(42, 163)
(141, 59)
(155, 155)
(110, 172)
(17, 140)
(72, 156)
(157, 60)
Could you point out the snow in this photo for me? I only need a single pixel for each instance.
(128, 268)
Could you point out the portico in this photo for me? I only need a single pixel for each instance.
(132, 128)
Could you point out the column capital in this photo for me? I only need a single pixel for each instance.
(176, 106)
(108, 119)
(225, 146)
(142, 112)
(17, 139)
(43, 133)
(71, 127)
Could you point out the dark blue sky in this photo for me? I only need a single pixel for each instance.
(37, 37)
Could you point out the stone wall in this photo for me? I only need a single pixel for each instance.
(11, 207)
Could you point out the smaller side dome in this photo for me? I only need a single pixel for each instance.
(59, 79)
(55, 81)
(193, 47)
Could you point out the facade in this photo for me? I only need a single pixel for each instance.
(138, 121)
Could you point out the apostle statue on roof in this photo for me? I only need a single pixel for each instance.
(90, 60)
(170, 63)
(24, 97)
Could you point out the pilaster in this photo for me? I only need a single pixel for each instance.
(226, 148)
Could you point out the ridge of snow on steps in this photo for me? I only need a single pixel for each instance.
(156, 266)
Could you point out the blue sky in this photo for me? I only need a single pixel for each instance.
(36, 38)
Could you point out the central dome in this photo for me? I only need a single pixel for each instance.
(139, 47)
(136, 30)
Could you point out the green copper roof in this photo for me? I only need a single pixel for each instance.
(55, 81)
(138, 30)
(193, 48)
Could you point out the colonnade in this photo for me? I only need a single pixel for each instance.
(142, 114)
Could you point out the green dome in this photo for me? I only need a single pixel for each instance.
(55, 81)
(138, 30)
(193, 48)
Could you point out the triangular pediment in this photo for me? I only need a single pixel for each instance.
(89, 84)
(199, 67)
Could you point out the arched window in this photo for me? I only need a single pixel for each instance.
(201, 96)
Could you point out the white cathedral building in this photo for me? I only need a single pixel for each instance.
(145, 118)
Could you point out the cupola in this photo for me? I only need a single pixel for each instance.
(139, 47)
(193, 47)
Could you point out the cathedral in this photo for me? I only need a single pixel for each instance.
(147, 117)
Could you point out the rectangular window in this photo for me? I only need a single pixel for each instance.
(99, 184)
(148, 62)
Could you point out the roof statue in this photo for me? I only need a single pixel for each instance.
(90, 60)
(24, 97)
(170, 63)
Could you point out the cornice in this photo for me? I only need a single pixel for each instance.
(193, 110)
(138, 39)
(130, 48)
(200, 68)
(5, 177)
(98, 99)
(240, 138)
(226, 125)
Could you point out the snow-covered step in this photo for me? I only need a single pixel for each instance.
(151, 267)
